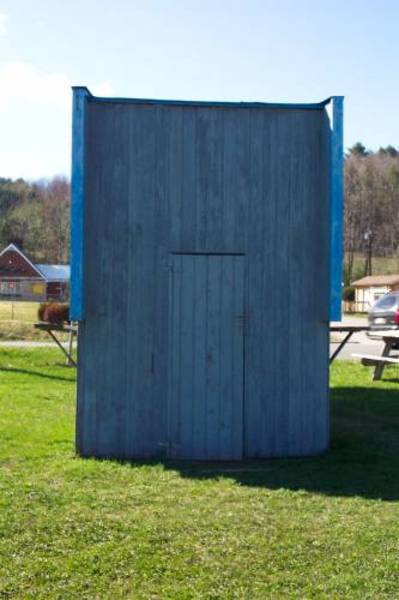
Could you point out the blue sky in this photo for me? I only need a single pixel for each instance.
(264, 50)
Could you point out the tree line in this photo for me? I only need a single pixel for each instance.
(371, 226)
(35, 215)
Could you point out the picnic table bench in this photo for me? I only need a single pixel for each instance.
(349, 330)
(70, 329)
(391, 341)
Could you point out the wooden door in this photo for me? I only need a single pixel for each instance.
(206, 383)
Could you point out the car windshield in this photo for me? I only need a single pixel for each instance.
(386, 302)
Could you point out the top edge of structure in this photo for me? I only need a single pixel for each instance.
(202, 103)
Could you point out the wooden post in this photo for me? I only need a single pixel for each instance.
(336, 208)
(379, 369)
(80, 98)
(70, 345)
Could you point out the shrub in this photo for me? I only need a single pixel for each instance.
(53, 312)
(348, 293)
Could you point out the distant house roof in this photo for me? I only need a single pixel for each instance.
(14, 248)
(55, 272)
(376, 280)
(48, 272)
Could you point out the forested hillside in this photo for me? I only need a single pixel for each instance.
(37, 214)
(371, 210)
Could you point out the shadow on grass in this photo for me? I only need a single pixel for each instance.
(391, 379)
(38, 373)
(363, 459)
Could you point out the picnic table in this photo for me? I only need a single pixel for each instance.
(70, 329)
(349, 330)
(391, 342)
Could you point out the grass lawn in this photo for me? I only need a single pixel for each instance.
(18, 311)
(325, 527)
(381, 265)
(17, 319)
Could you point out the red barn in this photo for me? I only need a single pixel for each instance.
(21, 279)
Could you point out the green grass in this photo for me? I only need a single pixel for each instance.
(325, 527)
(17, 319)
(18, 311)
(21, 330)
(381, 265)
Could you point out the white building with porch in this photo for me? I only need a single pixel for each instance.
(370, 289)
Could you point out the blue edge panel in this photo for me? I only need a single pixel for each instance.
(80, 97)
(336, 207)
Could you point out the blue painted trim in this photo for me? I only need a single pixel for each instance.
(337, 207)
(316, 106)
(80, 95)
(82, 89)
(282, 105)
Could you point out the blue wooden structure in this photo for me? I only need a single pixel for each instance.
(206, 264)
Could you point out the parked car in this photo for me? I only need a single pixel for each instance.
(384, 314)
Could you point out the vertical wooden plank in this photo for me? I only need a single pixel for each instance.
(337, 208)
(174, 182)
(133, 290)
(238, 360)
(213, 354)
(174, 390)
(280, 195)
(268, 331)
(199, 350)
(230, 137)
(210, 151)
(177, 175)
(103, 336)
(101, 188)
(320, 421)
(299, 149)
(187, 356)
(307, 298)
(303, 396)
(242, 166)
(256, 380)
(143, 286)
(111, 426)
(189, 185)
(141, 290)
(90, 371)
(164, 126)
(227, 395)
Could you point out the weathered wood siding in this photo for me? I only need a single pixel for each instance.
(163, 180)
